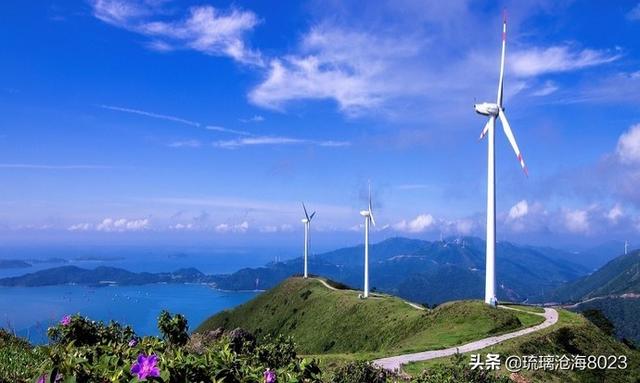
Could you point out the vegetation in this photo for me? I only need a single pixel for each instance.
(617, 277)
(82, 350)
(327, 321)
(622, 312)
(573, 335)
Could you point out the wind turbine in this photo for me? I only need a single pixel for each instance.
(368, 217)
(494, 111)
(626, 247)
(307, 222)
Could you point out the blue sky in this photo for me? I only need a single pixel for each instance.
(170, 121)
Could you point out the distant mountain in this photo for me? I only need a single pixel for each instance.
(13, 264)
(423, 271)
(613, 289)
(102, 276)
(617, 277)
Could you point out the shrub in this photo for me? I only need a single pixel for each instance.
(360, 372)
(458, 372)
(87, 351)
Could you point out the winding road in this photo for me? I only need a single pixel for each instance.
(395, 362)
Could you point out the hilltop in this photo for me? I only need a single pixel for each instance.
(328, 320)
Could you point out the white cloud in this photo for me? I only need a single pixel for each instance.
(122, 224)
(255, 141)
(151, 114)
(519, 210)
(182, 226)
(276, 229)
(537, 61)
(628, 148)
(615, 213)
(226, 130)
(80, 227)
(419, 224)
(353, 68)
(634, 13)
(577, 221)
(186, 144)
(547, 88)
(232, 228)
(205, 29)
(464, 226)
(254, 118)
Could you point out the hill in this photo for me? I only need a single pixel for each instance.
(423, 271)
(101, 275)
(619, 276)
(324, 320)
(572, 335)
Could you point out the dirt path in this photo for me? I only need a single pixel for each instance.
(415, 306)
(395, 362)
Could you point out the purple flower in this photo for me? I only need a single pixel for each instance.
(133, 342)
(269, 376)
(66, 320)
(43, 378)
(146, 366)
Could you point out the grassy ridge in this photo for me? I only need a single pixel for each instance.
(573, 334)
(324, 321)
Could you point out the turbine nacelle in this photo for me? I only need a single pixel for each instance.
(487, 109)
(365, 213)
(304, 220)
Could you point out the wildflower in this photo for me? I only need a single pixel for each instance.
(133, 342)
(43, 378)
(269, 376)
(66, 320)
(146, 366)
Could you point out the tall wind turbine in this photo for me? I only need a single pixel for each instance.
(307, 222)
(494, 111)
(626, 247)
(368, 217)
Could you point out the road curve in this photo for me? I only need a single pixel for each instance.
(395, 362)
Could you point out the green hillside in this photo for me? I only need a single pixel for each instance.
(572, 335)
(619, 276)
(323, 320)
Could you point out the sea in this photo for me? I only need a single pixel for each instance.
(29, 311)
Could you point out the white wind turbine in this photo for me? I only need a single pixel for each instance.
(368, 217)
(494, 111)
(307, 222)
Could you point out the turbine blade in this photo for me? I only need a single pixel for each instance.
(504, 47)
(485, 130)
(373, 221)
(512, 140)
(311, 216)
(305, 211)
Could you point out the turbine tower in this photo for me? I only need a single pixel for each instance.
(307, 222)
(368, 217)
(494, 111)
(626, 247)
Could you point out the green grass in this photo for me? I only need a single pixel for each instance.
(336, 322)
(573, 334)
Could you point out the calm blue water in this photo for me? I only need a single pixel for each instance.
(30, 310)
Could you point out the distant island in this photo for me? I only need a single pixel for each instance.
(102, 276)
(13, 264)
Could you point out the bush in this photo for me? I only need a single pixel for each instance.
(87, 351)
(458, 372)
(360, 372)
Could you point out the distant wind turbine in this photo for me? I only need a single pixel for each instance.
(626, 247)
(307, 222)
(494, 111)
(368, 217)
